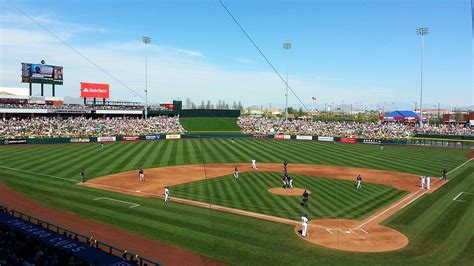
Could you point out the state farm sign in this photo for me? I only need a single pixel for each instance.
(94, 90)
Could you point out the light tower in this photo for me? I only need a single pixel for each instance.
(146, 41)
(286, 46)
(422, 32)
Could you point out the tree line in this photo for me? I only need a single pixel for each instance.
(221, 104)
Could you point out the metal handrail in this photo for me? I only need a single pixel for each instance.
(105, 247)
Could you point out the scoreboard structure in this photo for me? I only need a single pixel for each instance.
(41, 74)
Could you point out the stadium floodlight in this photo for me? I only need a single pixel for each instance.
(422, 31)
(286, 46)
(146, 41)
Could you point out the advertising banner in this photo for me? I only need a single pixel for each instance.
(173, 136)
(348, 140)
(80, 140)
(14, 141)
(371, 141)
(152, 137)
(301, 137)
(325, 138)
(106, 139)
(94, 90)
(130, 138)
(260, 136)
(282, 137)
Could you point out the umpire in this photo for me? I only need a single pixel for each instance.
(445, 174)
(305, 198)
(83, 177)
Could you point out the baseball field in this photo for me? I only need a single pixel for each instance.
(241, 221)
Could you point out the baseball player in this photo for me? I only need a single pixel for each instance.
(422, 180)
(166, 194)
(236, 172)
(305, 198)
(445, 174)
(285, 167)
(83, 177)
(428, 182)
(358, 181)
(381, 146)
(290, 181)
(101, 145)
(254, 164)
(283, 180)
(304, 225)
(141, 175)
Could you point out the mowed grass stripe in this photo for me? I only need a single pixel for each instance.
(103, 162)
(140, 159)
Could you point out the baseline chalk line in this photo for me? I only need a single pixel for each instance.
(133, 205)
(35, 173)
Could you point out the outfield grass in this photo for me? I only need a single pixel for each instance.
(210, 124)
(439, 229)
(330, 198)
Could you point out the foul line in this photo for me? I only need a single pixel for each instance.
(35, 173)
(401, 201)
(133, 205)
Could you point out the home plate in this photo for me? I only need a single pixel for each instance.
(137, 191)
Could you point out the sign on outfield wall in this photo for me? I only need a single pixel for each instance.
(106, 139)
(152, 137)
(173, 136)
(14, 141)
(130, 138)
(325, 138)
(348, 140)
(372, 141)
(282, 137)
(300, 137)
(80, 140)
(260, 136)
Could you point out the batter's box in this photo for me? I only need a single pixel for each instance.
(464, 196)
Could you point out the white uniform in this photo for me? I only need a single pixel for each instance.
(428, 182)
(422, 180)
(142, 177)
(291, 182)
(254, 164)
(304, 226)
(167, 193)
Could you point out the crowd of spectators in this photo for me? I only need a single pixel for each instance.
(81, 126)
(265, 125)
(19, 249)
(69, 107)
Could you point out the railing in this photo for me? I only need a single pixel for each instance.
(111, 249)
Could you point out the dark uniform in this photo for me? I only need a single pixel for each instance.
(445, 174)
(305, 199)
(83, 177)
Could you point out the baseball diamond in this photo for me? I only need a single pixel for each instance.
(236, 133)
(243, 211)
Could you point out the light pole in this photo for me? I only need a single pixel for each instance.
(422, 31)
(314, 108)
(146, 41)
(286, 46)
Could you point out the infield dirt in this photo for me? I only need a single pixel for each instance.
(358, 236)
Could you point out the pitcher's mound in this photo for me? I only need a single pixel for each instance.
(288, 191)
(346, 235)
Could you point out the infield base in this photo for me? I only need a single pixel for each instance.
(346, 235)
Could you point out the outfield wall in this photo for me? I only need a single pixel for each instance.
(434, 142)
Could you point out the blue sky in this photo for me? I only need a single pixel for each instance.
(360, 52)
